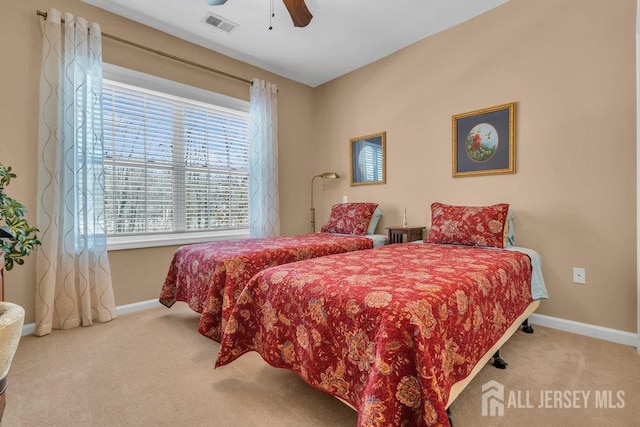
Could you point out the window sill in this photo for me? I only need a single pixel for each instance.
(150, 241)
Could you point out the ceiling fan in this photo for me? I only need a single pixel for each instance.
(297, 9)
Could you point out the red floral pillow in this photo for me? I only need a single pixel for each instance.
(468, 225)
(350, 218)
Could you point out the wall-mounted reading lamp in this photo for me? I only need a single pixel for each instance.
(326, 175)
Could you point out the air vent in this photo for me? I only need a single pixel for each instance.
(219, 22)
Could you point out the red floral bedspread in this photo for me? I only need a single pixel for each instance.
(210, 276)
(389, 330)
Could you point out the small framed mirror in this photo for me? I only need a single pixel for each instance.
(368, 165)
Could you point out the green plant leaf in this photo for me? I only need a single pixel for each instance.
(13, 214)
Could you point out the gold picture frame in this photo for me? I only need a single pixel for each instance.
(484, 141)
(368, 159)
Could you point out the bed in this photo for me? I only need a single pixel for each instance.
(210, 276)
(395, 332)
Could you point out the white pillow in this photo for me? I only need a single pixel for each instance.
(374, 221)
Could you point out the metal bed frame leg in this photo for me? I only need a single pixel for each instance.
(497, 362)
(526, 327)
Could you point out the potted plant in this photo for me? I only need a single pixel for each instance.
(17, 240)
(17, 237)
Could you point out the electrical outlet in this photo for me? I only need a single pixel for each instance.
(579, 275)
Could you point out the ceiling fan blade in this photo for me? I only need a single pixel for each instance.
(299, 12)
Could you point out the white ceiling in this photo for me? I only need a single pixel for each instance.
(343, 35)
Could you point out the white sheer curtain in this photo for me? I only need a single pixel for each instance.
(73, 274)
(264, 215)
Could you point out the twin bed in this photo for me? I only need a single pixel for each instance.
(395, 332)
(210, 276)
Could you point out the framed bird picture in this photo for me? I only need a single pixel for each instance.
(484, 141)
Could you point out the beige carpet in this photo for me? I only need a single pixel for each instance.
(152, 368)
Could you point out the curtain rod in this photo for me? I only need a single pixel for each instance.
(166, 55)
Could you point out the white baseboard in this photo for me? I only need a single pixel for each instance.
(30, 328)
(137, 306)
(593, 331)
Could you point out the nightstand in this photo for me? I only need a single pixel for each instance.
(396, 234)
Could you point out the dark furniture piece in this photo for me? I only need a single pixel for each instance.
(396, 234)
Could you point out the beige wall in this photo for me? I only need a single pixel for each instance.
(137, 274)
(570, 66)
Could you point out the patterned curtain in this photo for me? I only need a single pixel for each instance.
(264, 216)
(72, 272)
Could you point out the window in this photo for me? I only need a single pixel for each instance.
(176, 161)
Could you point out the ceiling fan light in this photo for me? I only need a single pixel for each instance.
(216, 2)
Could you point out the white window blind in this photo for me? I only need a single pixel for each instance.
(373, 161)
(173, 164)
